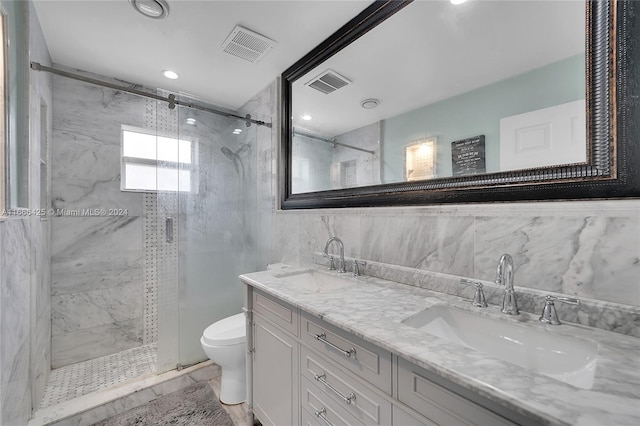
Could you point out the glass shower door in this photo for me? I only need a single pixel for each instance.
(161, 210)
(206, 212)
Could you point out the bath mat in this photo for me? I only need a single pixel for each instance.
(195, 405)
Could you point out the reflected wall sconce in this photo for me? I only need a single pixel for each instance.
(419, 159)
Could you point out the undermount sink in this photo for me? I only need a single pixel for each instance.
(563, 358)
(314, 281)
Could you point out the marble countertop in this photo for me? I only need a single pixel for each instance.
(373, 308)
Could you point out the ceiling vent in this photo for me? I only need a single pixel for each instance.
(246, 44)
(328, 82)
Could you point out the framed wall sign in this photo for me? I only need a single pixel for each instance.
(468, 156)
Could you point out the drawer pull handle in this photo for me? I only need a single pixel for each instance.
(321, 415)
(322, 378)
(351, 353)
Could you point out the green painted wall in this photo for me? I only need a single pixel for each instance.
(478, 112)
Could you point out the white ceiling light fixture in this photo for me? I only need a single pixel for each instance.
(172, 75)
(237, 131)
(155, 9)
(191, 121)
(369, 103)
(457, 2)
(306, 117)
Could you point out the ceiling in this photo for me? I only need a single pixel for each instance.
(429, 51)
(432, 50)
(110, 38)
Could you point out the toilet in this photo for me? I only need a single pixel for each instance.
(224, 344)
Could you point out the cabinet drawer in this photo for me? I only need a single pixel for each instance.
(365, 405)
(401, 417)
(325, 409)
(276, 311)
(439, 404)
(366, 360)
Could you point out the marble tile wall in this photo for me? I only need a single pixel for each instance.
(318, 161)
(97, 270)
(15, 332)
(312, 162)
(263, 105)
(41, 102)
(585, 249)
(25, 277)
(589, 249)
(367, 165)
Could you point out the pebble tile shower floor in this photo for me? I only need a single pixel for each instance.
(73, 381)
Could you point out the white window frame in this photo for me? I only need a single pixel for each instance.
(175, 165)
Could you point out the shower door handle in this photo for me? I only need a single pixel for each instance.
(169, 229)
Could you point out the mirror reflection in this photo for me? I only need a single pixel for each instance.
(441, 90)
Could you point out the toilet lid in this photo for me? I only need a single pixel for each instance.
(227, 331)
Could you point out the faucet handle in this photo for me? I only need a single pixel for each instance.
(478, 297)
(356, 267)
(549, 313)
(332, 263)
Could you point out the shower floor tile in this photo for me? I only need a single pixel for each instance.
(73, 381)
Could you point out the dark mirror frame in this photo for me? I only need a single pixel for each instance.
(613, 126)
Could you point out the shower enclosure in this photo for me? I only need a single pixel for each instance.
(153, 218)
(210, 223)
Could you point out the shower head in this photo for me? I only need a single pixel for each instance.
(228, 153)
(243, 148)
(237, 161)
(233, 155)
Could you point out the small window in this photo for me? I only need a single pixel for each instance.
(152, 163)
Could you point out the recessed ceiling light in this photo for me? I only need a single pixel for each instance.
(170, 74)
(237, 131)
(457, 2)
(156, 9)
(306, 117)
(191, 121)
(369, 103)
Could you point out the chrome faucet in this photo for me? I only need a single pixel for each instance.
(504, 276)
(549, 314)
(342, 268)
(356, 267)
(478, 297)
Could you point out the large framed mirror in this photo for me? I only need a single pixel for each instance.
(427, 102)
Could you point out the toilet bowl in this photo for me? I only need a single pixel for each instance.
(224, 344)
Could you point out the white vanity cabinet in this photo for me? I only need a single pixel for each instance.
(274, 361)
(307, 371)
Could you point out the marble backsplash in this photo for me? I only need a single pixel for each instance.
(609, 316)
(584, 249)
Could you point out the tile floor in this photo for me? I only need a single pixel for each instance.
(73, 381)
(238, 412)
